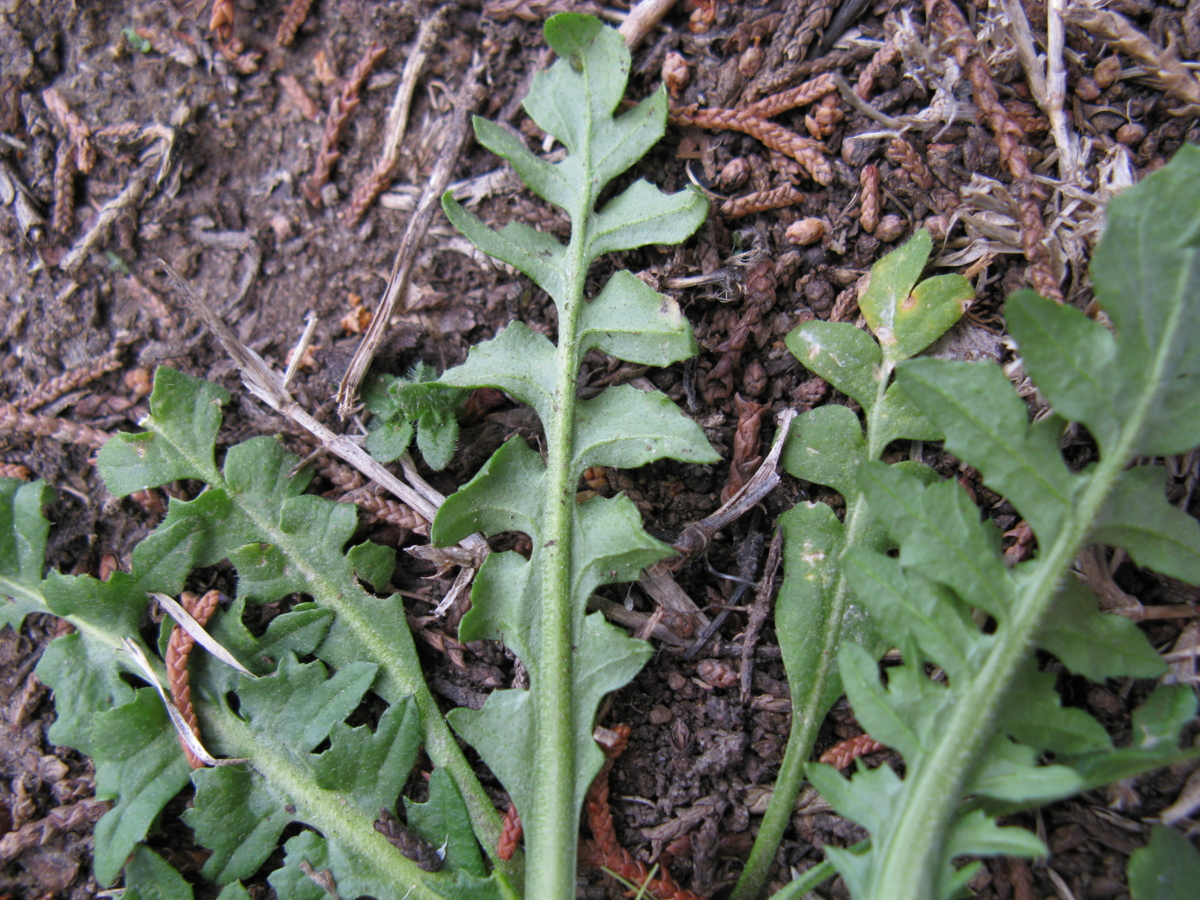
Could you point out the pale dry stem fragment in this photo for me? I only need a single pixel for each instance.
(1163, 63)
(380, 178)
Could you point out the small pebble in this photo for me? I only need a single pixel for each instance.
(1087, 89)
(660, 715)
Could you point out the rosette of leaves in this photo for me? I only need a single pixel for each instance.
(972, 741)
(307, 765)
(417, 403)
(816, 609)
(539, 741)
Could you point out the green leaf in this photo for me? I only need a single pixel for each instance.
(181, 431)
(987, 425)
(626, 428)
(826, 446)
(843, 355)
(631, 320)
(501, 497)
(517, 361)
(1168, 868)
(150, 877)
(388, 441)
(1095, 644)
(642, 214)
(443, 821)
(907, 320)
(1157, 535)
(23, 531)
(437, 441)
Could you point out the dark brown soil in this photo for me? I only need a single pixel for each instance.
(236, 223)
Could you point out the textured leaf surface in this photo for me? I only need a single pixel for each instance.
(23, 531)
(539, 741)
(1168, 868)
(980, 734)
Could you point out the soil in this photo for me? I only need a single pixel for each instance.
(229, 211)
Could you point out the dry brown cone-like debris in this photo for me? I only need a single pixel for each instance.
(807, 152)
(746, 444)
(293, 18)
(71, 380)
(868, 217)
(63, 218)
(604, 851)
(842, 754)
(785, 61)
(391, 511)
(760, 201)
(801, 95)
(179, 648)
(340, 110)
(903, 154)
(1010, 137)
(14, 470)
(221, 20)
(59, 820)
(511, 833)
(886, 55)
(14, 421)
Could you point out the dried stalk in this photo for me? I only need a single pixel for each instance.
(642, 20)
(470, 94)
(1048, 86)
(380, 179)
(1120, 34)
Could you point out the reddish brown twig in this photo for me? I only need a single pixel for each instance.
(868, 217)
(821, 121)
(14, 470)
(807, 152)
(390, 511)
(801, 95)
(62, 220)
(603, 851)
(79, 133)
(340, 110)
(903, 154)
(71, 380)
(14, 421)
(179, 648)
(842, 754)
(511, 833)
(760, 201)
(886, 55)
(299, 97)
(293, 18)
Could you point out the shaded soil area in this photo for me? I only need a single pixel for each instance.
(131, 132)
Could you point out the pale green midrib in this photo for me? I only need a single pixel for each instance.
(326, 811)
(443, 748)
(806, 708)
(551, 842)
(930, 805)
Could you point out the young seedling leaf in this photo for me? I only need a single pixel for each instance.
(1168, 868)
(816, 611)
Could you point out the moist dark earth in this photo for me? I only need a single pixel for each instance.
(228, 209)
